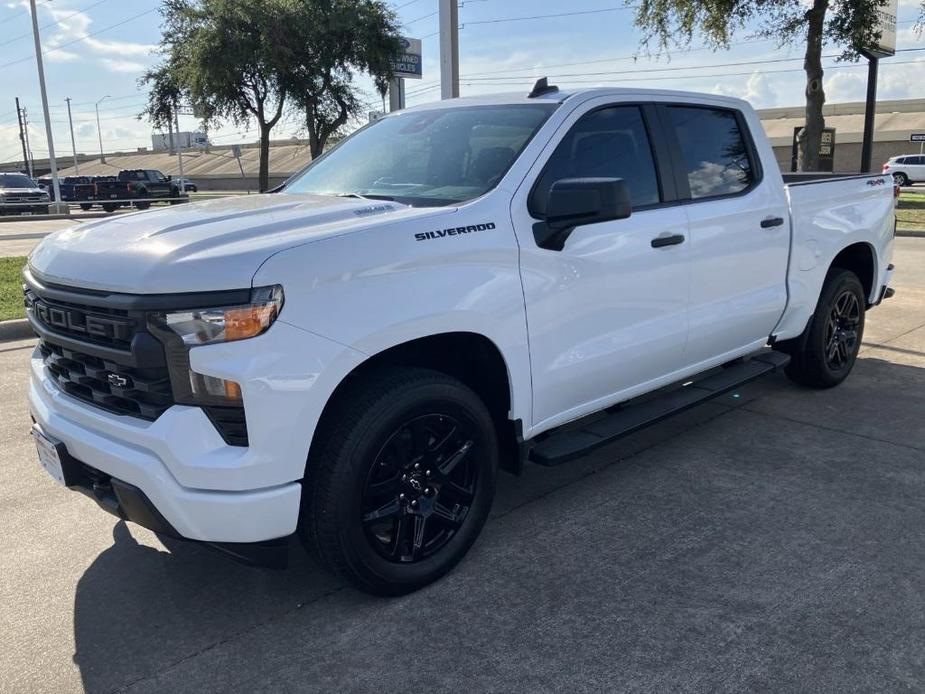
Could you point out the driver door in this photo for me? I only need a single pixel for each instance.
(607, 314)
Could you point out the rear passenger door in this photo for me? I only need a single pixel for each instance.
(606, 314)
(739, 229)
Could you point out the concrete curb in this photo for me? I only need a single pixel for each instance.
(913, 233)
(53, 217)
(18, 329)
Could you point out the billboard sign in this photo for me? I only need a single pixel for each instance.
(886, 25)
(408, 63)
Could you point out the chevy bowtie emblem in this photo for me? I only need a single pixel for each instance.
(117, 380)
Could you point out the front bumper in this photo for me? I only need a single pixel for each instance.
(125, 449)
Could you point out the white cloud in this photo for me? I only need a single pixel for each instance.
(118, 65)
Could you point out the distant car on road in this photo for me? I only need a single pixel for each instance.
(906, 168)
(186, 185)
(19, 194)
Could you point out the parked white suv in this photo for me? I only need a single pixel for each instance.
(455, 289)
(906, 169)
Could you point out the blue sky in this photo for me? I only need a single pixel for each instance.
(96, 48)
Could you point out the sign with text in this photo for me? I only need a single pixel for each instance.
(408, 62)
(886, 25)
(917, 137)
(826, 150)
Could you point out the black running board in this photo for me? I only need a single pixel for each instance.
(575, 440)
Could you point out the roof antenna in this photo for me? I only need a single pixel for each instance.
(541, 87)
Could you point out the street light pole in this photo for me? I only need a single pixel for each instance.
(449, 49)
(98, 131)
(70, 122)
(51, 144)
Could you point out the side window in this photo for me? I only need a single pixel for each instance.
(901, 160)
(607, 143)
(713, 151)
(918, 161)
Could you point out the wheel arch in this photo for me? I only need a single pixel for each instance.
(861, 259)
(470, 357)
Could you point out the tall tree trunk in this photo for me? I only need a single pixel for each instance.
(810, 137)
(263, 180)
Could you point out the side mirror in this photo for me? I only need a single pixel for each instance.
(574, 202)
(169, 177)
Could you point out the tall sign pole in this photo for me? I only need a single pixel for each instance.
(449, 49)
(884, 48)
(62, 209)
(70, 123)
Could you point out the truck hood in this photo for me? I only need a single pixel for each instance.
(217, 244)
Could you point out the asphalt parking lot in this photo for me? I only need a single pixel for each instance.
(770, 541)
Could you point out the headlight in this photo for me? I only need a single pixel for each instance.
(227, 323)
(182, 330)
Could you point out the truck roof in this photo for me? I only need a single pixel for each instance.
(559, 96)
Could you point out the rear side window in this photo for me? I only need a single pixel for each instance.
(916, 161)
(607, 143)
(714, 152)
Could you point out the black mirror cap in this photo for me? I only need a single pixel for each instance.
(574, 202)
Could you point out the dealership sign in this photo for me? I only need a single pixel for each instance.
(886, 25)
(917, 137)
(407, 63)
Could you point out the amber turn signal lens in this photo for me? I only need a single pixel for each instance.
(248, 321)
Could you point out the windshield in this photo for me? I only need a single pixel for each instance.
(435, 157)
(16, 181)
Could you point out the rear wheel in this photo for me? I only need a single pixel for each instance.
(826, 352)
(109, 207)
(901, 179)
(85, 206)
(402, 482)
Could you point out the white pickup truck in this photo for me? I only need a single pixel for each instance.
(455, 289)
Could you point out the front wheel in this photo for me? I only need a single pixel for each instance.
(401, 481)
(85, 206)
(826, 352)
(901, 179)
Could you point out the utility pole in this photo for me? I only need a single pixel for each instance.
(396, 94)
(22, 137)
(57, 206)
(25, 130)
(98, 131)
(449, 49)
(176, 123)
(70, 122)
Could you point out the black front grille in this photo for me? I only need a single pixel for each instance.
(141, 392)
(96, 325)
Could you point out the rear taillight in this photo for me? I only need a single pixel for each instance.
(886, 167)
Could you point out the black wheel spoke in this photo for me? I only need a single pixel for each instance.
(417, 542)
(387, 510)
(447, 516)
(447, 466)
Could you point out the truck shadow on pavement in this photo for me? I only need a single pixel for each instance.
(727, 548)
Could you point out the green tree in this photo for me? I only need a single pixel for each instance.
(165, 95)
(849, 24)
(224, 56)
(326, 42)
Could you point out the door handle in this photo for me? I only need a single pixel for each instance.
(772, 222)
(672, 240)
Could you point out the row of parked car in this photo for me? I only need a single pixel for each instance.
(20, 194)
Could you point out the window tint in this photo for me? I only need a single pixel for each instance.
(900, 160)
(917, 161)
(713, 151)
(609, 143)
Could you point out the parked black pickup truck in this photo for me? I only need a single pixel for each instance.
(79, 189)
(135, 187)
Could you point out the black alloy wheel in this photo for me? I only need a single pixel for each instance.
(841, 331)
(400, 479)
(419, 488)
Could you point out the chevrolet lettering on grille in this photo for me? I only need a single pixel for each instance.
(77, 321)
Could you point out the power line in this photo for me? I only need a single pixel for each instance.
(549, 16)
(82, 38)
(51, 24)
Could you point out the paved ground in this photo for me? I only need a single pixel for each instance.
(772, 541)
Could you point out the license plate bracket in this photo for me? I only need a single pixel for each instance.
(49, 455)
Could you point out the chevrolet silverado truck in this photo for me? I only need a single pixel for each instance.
(455, 289)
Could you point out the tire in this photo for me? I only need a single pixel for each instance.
(901, 179)
(823, 356)
(109, 207)
(85, 206)
(193, 189)
(376, 478)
